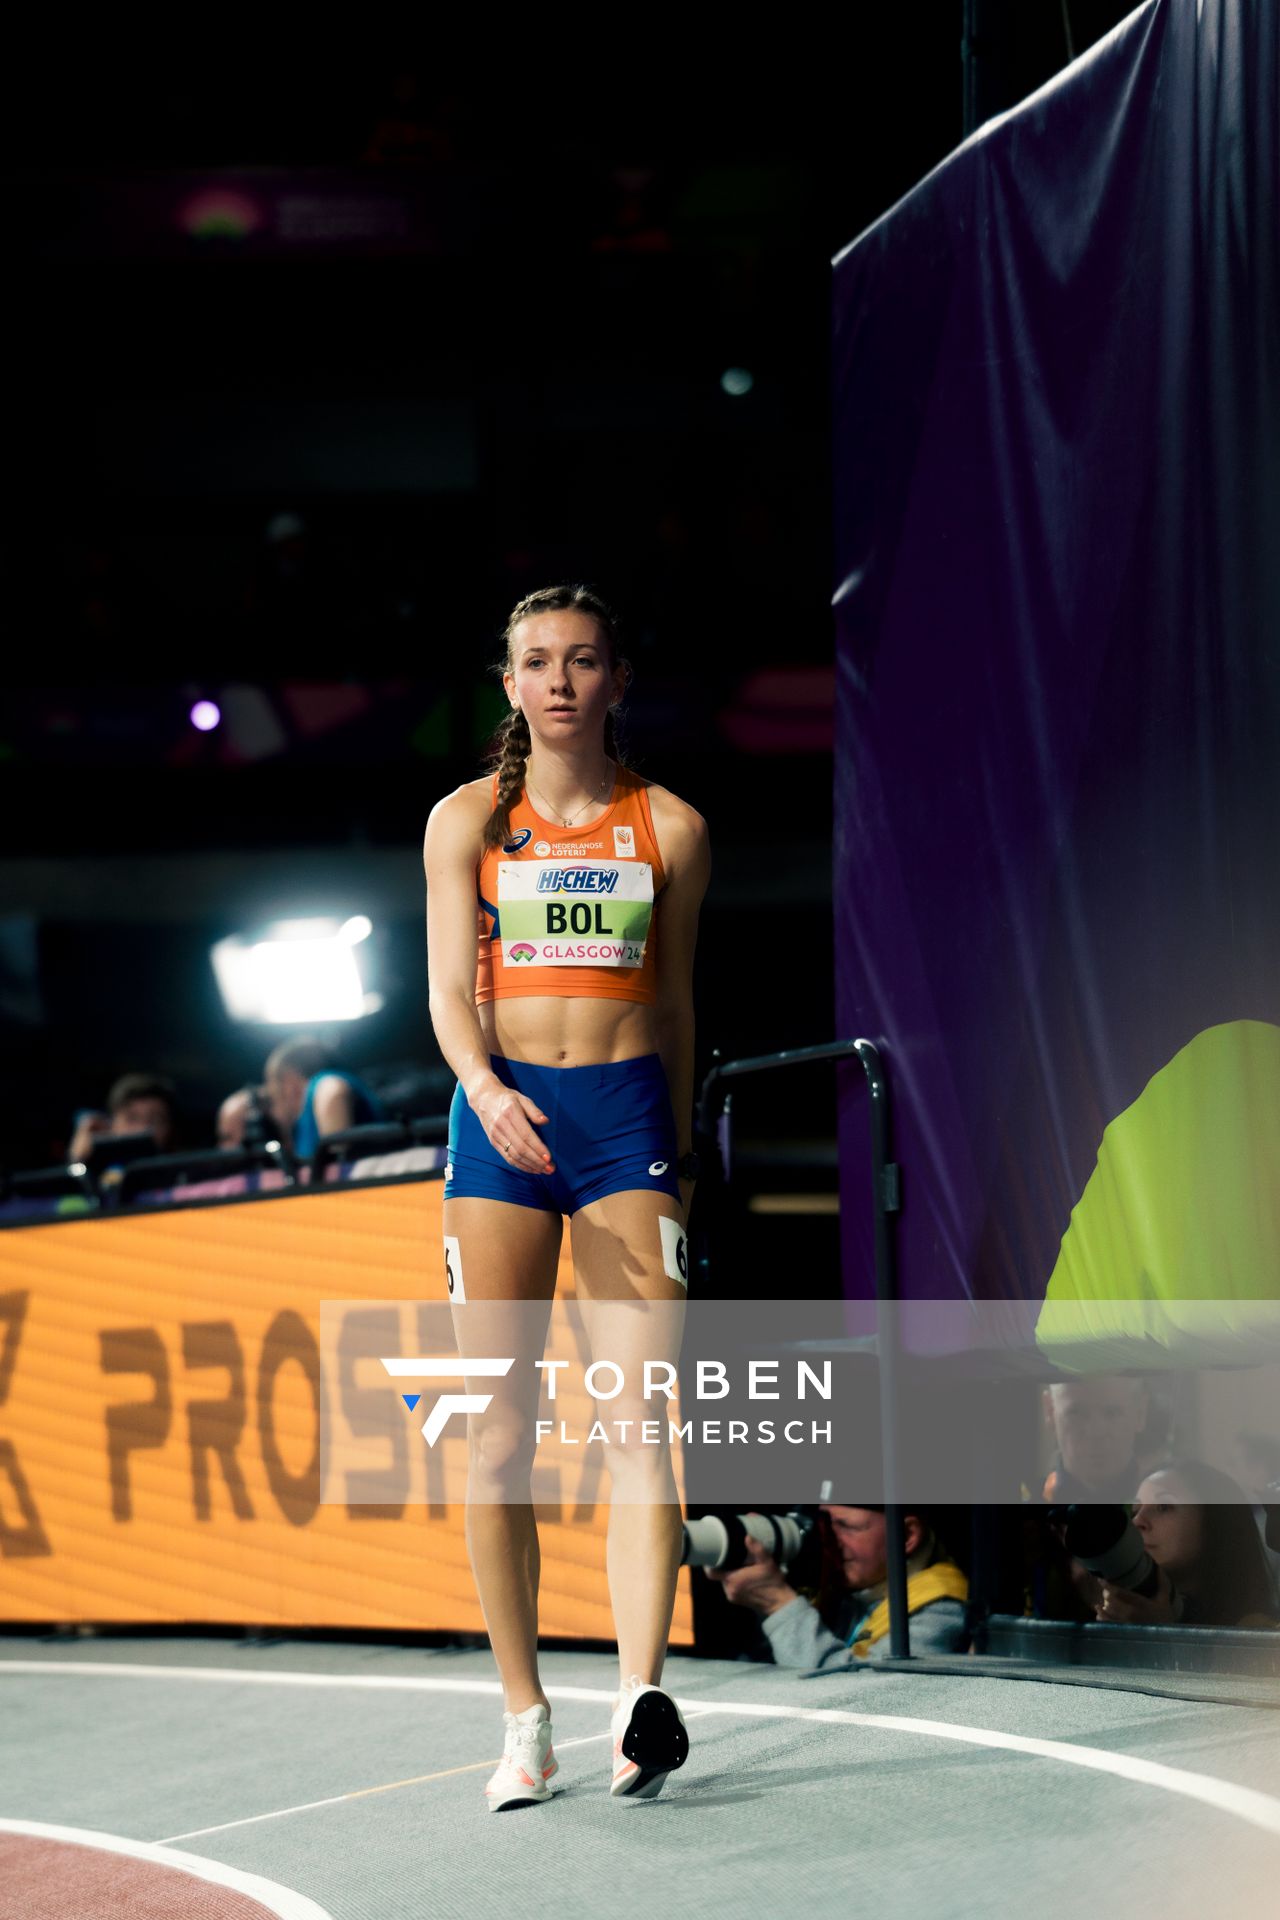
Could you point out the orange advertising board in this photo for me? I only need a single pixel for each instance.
(161, 1392)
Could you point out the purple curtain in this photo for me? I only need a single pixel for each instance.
(1057, 537)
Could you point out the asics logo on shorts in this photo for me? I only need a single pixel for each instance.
(659, 1166)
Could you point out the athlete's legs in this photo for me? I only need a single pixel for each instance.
(509, 1253)
(619, 1256)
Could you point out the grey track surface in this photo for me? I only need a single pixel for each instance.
(770, 1816)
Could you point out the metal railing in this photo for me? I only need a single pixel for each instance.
(714, 1125)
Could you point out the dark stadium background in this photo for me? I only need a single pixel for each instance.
(309, 479)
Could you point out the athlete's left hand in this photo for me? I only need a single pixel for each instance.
(686, 1195)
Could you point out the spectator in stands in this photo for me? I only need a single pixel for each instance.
(136, 1102)
(1197, 1526)
(845, 1623)
(310, 1096)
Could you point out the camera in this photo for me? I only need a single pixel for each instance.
(720, 1539)
(1105, 1540)
(259, 1126)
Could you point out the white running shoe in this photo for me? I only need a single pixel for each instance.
(649, 1740)
(527, 1762)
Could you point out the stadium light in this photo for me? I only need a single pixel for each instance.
(299, 973)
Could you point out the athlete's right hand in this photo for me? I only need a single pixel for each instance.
(507, 1118)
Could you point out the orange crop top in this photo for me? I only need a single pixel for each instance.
(570, 910)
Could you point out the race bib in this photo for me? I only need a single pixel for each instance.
(569, 913)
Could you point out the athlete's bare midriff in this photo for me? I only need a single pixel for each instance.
(552, 1030)
(561, 1030)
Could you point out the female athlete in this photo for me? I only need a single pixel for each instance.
(570, 1030)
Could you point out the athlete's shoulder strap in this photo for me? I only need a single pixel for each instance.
(641, 787)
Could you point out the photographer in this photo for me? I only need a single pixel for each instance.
(1099, 1427)
(311, 1096)
(845, 1623)
(1197, 1527)
(245, 1119)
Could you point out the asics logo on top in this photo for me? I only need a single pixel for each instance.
(579, 880)
(518, 840)
(426, 1366)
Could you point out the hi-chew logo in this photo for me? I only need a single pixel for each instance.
(426, 1366)
(579, 880)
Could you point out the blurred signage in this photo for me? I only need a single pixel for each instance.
(161, 1393)
(245, 214)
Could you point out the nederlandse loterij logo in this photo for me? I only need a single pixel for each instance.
(426, 1366)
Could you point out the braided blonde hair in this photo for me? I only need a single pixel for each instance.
(513, 742)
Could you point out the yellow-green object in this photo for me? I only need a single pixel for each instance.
(1178, 1228)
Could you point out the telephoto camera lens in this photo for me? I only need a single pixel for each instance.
(720, 1541)
(1105, 1540)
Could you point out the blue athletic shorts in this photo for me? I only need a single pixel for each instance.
(609, 1128)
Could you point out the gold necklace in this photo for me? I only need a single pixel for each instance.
(586, 803)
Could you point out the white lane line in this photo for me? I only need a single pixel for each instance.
(362, 1793)
(1243, 1803)
(1246, 1803)
(285, 1901)
(390, 1786)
